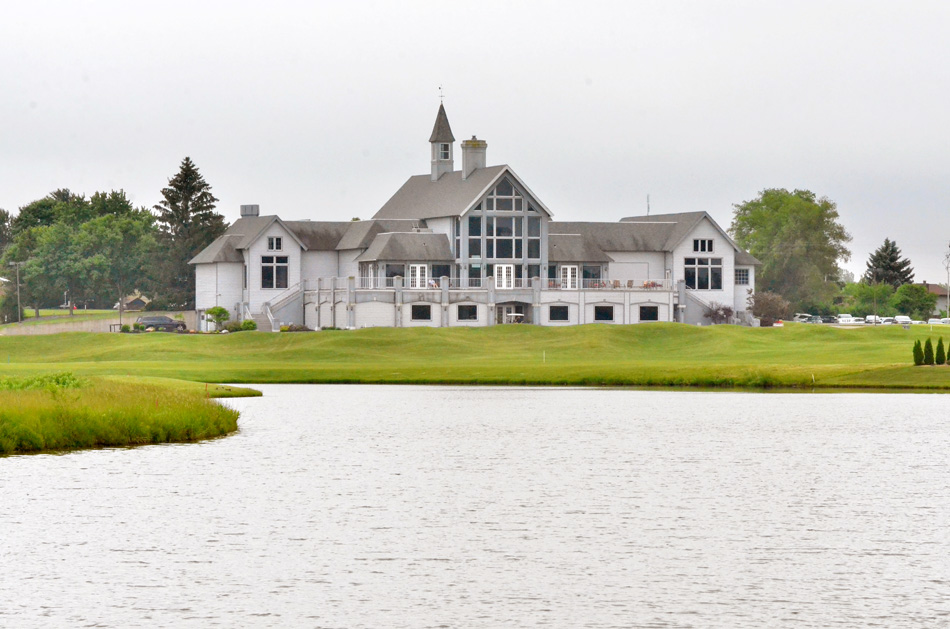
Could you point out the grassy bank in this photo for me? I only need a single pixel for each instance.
(63, 411)
(641, 355)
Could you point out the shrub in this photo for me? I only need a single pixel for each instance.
(138, 327)
(218, 314)
(233, 326)
(126, 328)
(769, 307)
(718, 313)
(941, 356)
(928, 353)
(918, 353)
(293, 327)
(248, 325)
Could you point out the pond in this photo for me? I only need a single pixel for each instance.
(374, 506)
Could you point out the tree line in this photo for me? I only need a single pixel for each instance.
(96, 251)
(801, 244)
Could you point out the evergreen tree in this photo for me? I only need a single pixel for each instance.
(918, 353)
(941, 357)
(187, 224)
(885, 266)
(928, 353)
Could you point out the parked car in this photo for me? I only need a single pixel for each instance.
(945, 321)
(801, 317)
(858, 320)
(935, 321)
(161, 323)
(814, 319)
(829, 319)
(916, 322)
(902, 320)
(873, 320)
(888, 321)
(844, 319)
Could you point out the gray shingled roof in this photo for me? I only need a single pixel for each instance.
(319, 235)
(574, 248)
(618, 236)
(422, 198)
(683, 224)
(222, 249)
(744, 257)
(409, 247)
(360, 234)
(441, 132)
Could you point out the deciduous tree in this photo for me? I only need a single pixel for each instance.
(799, 241)
(914, 300)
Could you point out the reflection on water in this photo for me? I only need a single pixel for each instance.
(351, 506)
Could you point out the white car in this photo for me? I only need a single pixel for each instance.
(844, 319)
(935, 321)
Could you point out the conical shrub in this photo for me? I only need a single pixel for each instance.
(928, 353)
(941, 357)
(918, 353)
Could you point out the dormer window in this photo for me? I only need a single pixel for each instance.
(444, 150)
(275, 243)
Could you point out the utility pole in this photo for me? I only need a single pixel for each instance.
(19, 310)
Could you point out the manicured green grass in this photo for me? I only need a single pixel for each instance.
(640, 355)
(62, 412)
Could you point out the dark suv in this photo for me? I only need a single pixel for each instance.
(161, 323)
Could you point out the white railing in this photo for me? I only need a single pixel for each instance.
(246, 311)
(270, 318)
(283, 298)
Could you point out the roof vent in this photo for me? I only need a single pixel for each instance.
(250, 210)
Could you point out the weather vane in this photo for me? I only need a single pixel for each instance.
(440, 95)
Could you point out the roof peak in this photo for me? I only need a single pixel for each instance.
(441, 132)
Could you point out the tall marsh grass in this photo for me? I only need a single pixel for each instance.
(63, 412)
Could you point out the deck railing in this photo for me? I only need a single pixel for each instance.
(388, 283)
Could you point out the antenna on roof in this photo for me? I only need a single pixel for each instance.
(648, 205)
(441, 96)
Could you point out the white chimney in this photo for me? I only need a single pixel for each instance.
(473, 155)
(250, 210)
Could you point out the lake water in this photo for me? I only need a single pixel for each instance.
(365, 506)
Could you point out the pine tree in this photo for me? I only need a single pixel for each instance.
(928, 353)
(885, 266)
(918, 353)
(941, 357)
(187, 224)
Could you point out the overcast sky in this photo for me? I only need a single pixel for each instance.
(322, 110)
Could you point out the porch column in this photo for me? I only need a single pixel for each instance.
(397, 286)
(536, 300)
(351, 302)
(444, 290)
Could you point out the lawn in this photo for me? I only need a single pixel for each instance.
(640, 355)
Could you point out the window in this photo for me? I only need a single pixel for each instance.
(592, 276)
(703, 273)
(422, 312)
(441, 270)
(742, 277)
(534, 270)
(569, 277)
(395, 270)
(273, 271)
(649, 313)
(534, 237)
(458, 236)
(275, 243)
(603, 313)
(467, 313)
(245, 277)
(557, 313)
(417, 275)
(474, 236)
(703, 245)
(445, 150)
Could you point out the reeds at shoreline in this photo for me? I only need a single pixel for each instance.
(63, 412)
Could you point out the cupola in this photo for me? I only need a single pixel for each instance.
(442, 142)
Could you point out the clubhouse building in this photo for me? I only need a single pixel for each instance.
(471, 247)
